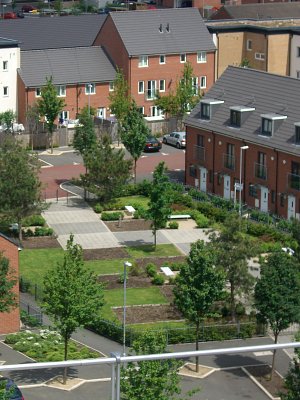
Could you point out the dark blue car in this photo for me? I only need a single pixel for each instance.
(12, 390)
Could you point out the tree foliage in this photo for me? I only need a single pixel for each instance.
(85, 136)
(232, 251)
(72, 295)
(33, 119)
(277, 294)
(49, 106)
(160, 199)
(8, 299)
(134, 134)
(107, 170)
(7, 118)
(198, 285)
(20, 186)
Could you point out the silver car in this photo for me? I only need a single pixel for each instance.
(176, 139)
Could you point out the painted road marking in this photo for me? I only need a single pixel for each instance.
(164, 154)
(263, 353)
(48, 165)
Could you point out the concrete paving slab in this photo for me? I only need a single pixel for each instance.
(184, 247)
(138, 238)
(91, 241)
(71, 215)
(184, 236)
(79, 227)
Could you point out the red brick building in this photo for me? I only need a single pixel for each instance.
(244, 108)
(10, 321)
(151, 48)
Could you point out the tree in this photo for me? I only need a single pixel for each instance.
(292, 380)
(134, 134)
(296, 236)
(184, 99)
(197, 286)
(277, 294)
(150, 380)
(160, 199)
(33, 119)
(232, 251)
(72, 295)
(58, 6)
(8, 299)
(119, 98)
(49, 106)
(7, 118)
(107, 170)
(85, 136)
(20, 186)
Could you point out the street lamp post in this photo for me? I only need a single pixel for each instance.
(241, 167)
(89, 104)
(126, 264)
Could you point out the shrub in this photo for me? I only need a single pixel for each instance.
(151, 270)
(201, 220)
(136, 270)
(173, 225)
(112, 216)
(158, 279)
(33, 220)
(29, 320)
(39, 231)
(98, 208)
(140, 212)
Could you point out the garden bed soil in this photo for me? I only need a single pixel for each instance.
(112, 281)
(159, 261)
(40, 242)
(128, 225)
(153, 313)
(105, 254)
(261, 373)
(167, 291)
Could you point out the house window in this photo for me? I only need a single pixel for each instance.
(200, 140)
(193, 171)
(90, 88)
(101, 112)
(235, 118)
(61, 90)
(266, 127)
(273, 196)
(260, 56)
(229, 159)
(298, 51)
(282, 198)
(162, 59)
(201, 57)
(5, 90)
(141, 110)
(111, 86)
(162, 85)
(260, 167)
(252, 190)
(205, 111)
(141, 88)
(195, 85)
(183, 58)
(151, 90)
(249, 45)
(5, 65)
(298, 74)
(297, 134)
(155, 111)
(143, 61)
(202, 82)
(63, 116)
(38, 92)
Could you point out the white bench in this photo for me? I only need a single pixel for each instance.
(167, 271)
(180, 216)
(130, 209)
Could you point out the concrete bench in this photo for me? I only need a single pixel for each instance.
(167, 271)
(130, 209)
(180, 216)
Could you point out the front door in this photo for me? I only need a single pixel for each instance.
(203, 174)
(226, 187)
(264, 194)
(291, 207)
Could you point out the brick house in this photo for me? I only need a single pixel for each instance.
(83, 76)
(151, 48)
(251, 108)
(10, 321)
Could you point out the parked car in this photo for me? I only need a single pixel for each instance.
(20, 14)
(175, 138)
(27, 8)
(11, 388)
(10, 15)
(152, 144)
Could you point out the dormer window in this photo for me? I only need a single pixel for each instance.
(235, 118)
(238, 115)
(270, 123)
(205, 111)
(297, 133)
(208, 107)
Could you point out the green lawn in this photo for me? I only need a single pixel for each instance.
(130, 200)
(162, 250)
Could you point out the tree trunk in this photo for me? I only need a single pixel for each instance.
(154, 233)
(273, 359)
(20, 230)
(134, 170)
(197, 345)
(232, 302)
(66, 340)
(84, 190)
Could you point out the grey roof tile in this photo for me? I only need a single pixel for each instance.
(34, 33)
(140, 33)
(66, 66)
(267, 93)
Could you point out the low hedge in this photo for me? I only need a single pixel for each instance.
(38, 231)
(112, 216)
(33, 220)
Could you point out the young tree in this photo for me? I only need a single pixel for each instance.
(107, 170)
(232, 251)
(149, 380)
(134, 134)
(85, 136)
(296, 236)
(49, 106)
(160, 199)
(33, 119)
(72, 295)
(277, 294)
(8, 299)
(7, 118)
(20, 186)
(197, 286)
(292, 380)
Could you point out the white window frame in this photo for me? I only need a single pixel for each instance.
(142, 110)
(143, 61)
(61, 90)
(4, 65)
(249, 44)
(101, 112)
(195, 83)
(260, 56)
(203, 82)
(298, 51)
(298, 74)
(162, 85)
(201, 57)
(183, 58)
(141, 87)
(156, 112)
(38, 92)
(162, 59)
(111, 87)
(64, 114)
(5, 89)
(90, 88)
(153, 92)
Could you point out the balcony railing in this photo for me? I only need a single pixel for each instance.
(260, 171)
(199, 153)
(294, 181)
(229, 161)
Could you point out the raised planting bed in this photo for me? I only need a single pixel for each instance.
(128, 225)
(152, 313)
(41, 242)
(113, 281)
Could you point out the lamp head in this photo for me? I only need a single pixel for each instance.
(244, 147)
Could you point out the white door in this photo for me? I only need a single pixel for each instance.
(264, 198)
(226, 187)
(291, 207)
(203, 173)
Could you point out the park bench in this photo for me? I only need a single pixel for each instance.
(180, 216)
(131, 210)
